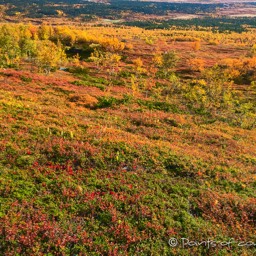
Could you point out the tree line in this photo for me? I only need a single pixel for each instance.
(45, 47)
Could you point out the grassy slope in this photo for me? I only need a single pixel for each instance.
(79, 176)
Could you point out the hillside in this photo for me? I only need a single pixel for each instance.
(144, 136)
(235, 16)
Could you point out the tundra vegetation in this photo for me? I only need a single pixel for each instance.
(115, 139)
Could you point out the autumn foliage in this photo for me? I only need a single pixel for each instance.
(111, 144)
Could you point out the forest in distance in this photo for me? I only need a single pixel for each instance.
(127, 130)
(220, 16)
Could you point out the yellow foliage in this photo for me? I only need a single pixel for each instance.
(60, 13)
(196, 45)
(138, 63)
(197, 64)
(112, 45)
(134, 85)
(157, 60)
(114, 58)
(49, 55)
(129, 46)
